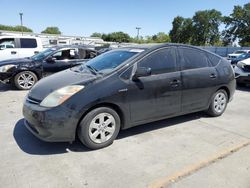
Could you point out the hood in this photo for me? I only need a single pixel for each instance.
(246, 61)
(15, 61)
(61, 79)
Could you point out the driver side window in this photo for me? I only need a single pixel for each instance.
(161, 61)
(68, 54)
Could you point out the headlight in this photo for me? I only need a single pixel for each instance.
(241, 64)
(5, 68)
(59, 96)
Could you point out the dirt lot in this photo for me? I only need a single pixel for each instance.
(150, 155)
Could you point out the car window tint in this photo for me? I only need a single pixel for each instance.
(214, 59)
(193, 59)
(28, 43)
(161, 61)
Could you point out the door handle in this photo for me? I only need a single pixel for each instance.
(13, 52)
(175, 83)
(213, 75)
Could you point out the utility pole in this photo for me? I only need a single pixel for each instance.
(21, 19)
(138, 32)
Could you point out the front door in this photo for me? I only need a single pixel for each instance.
(60, 60)
(158, 95)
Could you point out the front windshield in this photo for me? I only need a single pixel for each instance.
(43, 54)
(107, 62)
(239, 52)
(242, 56)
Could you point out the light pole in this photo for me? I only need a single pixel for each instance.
(138, 32)
(21, 19)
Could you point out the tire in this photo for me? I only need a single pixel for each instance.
(25, 80)
(94, 133)
(218, 103)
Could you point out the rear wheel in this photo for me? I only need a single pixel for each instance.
(218, 103)
(25, 80)
(99, 128)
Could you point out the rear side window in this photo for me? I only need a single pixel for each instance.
(7, 43)
(161, 61)
(28, 43)
(214, 60)
(193, 59)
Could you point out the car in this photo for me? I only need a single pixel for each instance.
(240, 58)
(19, 46)
(242, 72)
(237, 54)
(25, 72)
(126, 87)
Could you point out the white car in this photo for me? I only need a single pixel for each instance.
(242, 72)
(237, 54)
(19, 46)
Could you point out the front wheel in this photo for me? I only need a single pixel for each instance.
(218, 103)
(99, 128)
(25, 80)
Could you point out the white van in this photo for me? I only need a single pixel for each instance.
(19, 46)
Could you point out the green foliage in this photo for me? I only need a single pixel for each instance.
(206, 27)
(238, 26)
(202, 29)
(96, 35)
(182, 30)
(52, 30)
(15, 28)
(116, 37)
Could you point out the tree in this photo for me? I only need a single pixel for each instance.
(96, 35)
(116, 37)
(206, 27)
(238, 25)
(15, 28)
(52, 30)
(161, 37)
(182, 30)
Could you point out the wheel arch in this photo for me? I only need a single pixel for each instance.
(105, 104)
(227, 91)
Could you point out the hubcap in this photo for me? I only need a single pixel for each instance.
(220, 102)
(26, 80)
(102, 128)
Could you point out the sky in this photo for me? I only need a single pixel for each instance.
(82, 17)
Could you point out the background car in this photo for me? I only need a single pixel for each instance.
(240, 58)
(242, 72)
(24, 72)
(237, 54)
(126, 87)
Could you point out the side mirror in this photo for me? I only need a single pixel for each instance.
(142, 72)
(51, 59)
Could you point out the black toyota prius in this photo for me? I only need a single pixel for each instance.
(25, 72)
(127, 87)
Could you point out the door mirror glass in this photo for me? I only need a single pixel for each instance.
(142, 72)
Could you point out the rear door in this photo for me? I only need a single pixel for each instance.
(199, 78)
(158, 95)
(27, 47)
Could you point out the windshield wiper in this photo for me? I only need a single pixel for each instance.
(92, 69)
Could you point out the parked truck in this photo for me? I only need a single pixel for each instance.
(19, 46)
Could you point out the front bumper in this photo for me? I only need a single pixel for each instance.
(242, 76)
(50, 124)
(5, 77)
